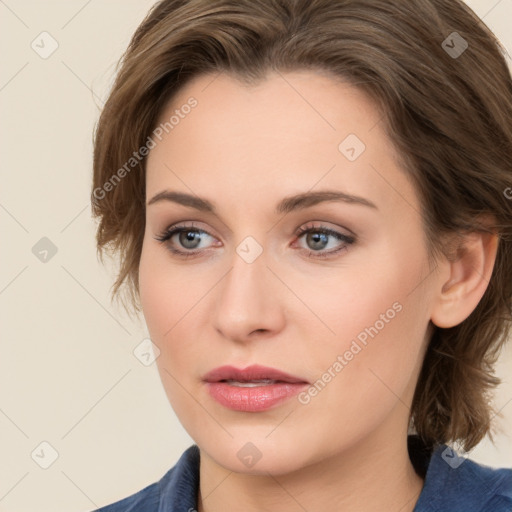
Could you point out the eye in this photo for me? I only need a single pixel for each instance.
(187, 237)
(317, 240)
(185, 240)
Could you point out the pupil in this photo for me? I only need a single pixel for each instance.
(188, 236)
(318, 237)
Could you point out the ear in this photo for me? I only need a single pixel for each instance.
(464, 277)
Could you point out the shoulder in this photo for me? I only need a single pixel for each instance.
(459, 484)
(145, 500)
(175, 490)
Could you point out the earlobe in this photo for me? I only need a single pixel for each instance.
(469, 270)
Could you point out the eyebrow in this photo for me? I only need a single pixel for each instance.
(286, 205)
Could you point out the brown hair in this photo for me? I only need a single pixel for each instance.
(448, 114)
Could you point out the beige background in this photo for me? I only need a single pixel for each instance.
(68, 375)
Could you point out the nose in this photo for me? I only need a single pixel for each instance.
(249, 301)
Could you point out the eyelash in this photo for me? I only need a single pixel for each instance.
(166, 235)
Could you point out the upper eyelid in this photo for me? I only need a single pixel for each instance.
(323, 227)
(304, 227)
(182, 227)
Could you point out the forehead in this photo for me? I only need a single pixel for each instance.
(294, 105)
(286, 134)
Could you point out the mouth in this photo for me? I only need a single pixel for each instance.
(252, 389)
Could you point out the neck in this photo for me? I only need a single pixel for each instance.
(369, 476)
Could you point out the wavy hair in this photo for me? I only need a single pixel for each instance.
(446, 100)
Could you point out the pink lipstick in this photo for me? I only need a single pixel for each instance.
(252, 389)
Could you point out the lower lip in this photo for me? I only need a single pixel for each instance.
(254, 399)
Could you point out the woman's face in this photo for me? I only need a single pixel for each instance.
(335, 293)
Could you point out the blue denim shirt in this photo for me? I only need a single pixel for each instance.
(452, 484)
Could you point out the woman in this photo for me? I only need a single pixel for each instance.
(309, 202)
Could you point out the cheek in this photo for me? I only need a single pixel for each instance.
(166, 293)
(379, 317)
(168, 296)
(372, 294)
(371, 378)
(175, 300)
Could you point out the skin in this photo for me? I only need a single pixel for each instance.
(244, 149)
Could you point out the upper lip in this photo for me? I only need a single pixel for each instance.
(253, 372)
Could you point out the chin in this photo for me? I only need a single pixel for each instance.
(258, 454)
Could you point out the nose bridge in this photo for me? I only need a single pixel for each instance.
(246, 302)
(246, 281)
